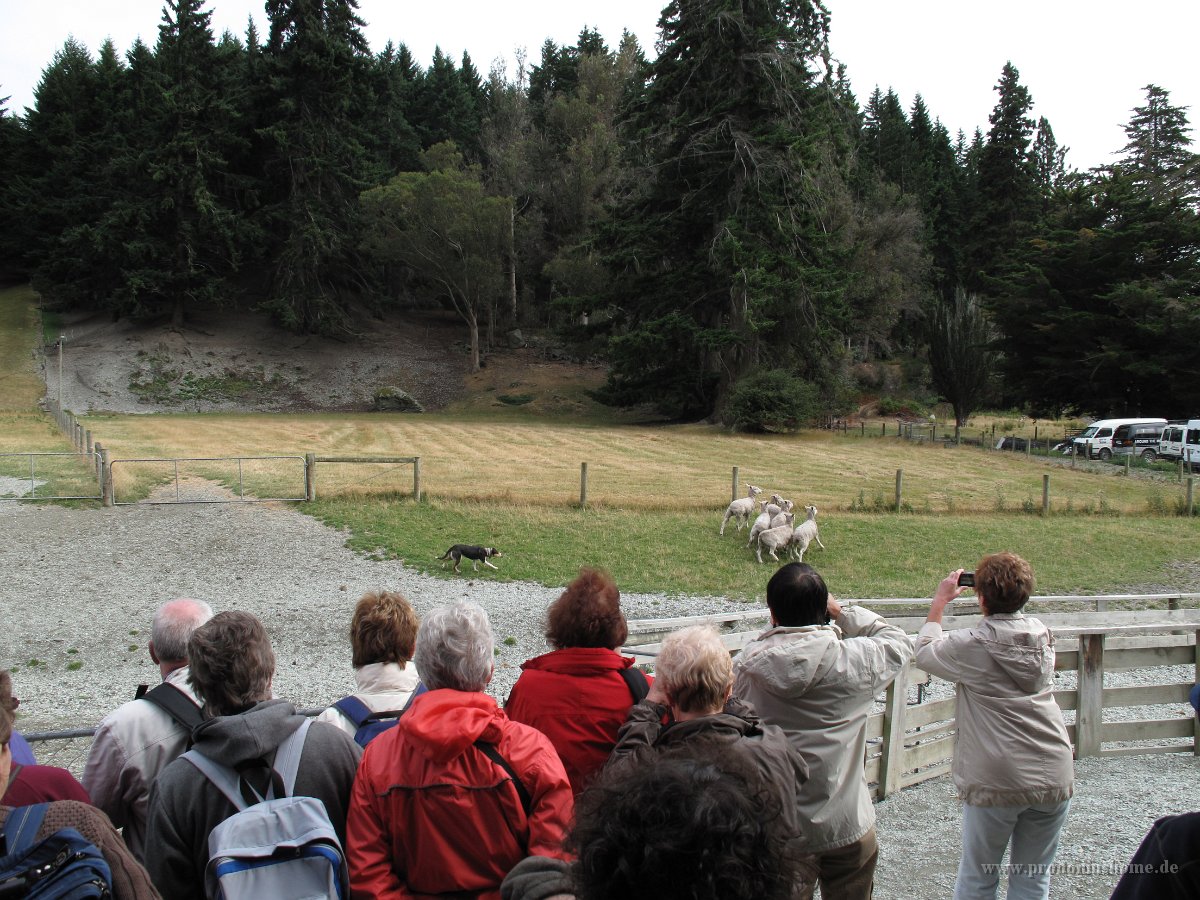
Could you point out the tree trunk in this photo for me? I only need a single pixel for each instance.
(473, 327)
(512, 266)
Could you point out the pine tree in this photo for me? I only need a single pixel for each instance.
(1008, 197)
(1158, 136)
(717, 253)
(1049, 159)
(314, 159)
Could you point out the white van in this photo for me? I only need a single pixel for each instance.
(1191, 444)
(1096, 442)
(1177, 438)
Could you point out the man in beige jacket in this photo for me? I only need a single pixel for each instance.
(138, 739)
(1012, 760)
(815, 673)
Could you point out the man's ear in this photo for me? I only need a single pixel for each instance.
(153, 655)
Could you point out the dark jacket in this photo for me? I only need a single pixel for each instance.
(185, 806)
(577, 698)
(780, 768)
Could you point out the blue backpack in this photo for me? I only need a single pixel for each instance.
(370, 725)
(64, 864)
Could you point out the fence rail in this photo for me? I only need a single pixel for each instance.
(908, 743)
(65, 474)
(230, 470)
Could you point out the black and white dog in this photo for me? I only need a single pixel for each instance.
(472, 552)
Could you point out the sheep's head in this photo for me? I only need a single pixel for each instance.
(754, 489)
(777, 500)
(812, 512)
(787, 505)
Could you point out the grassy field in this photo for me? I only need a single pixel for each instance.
(509, 476)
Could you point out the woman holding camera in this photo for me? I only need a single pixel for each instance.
(1012, 762)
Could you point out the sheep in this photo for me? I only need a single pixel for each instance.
(785, 507)
(774, 538)
(761, 524)
(804, 534)
(739, 510)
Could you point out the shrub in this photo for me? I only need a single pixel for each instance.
(771, 400)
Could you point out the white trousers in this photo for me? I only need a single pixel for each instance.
(987, 831)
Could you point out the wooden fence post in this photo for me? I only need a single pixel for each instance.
(1196, 719)
(883, 429)
(1128, 460)
(583, 484)
(899, 488)
(87, 436)
(1089, 711)
(1074, 453)
(1188, 503)
(417, 478)
(99, 467)
(1045, 494)
(734, 487)
(891, 763)
(310, 477)
(106, 483)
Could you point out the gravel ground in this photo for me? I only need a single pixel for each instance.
(79, 586)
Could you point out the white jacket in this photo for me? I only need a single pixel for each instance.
(133, 744)
(382, 687)
(1012, 747)
(819, 686)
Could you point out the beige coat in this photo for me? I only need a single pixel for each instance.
(132, 746)
(1012, 747)
(819, 687)
(382, 687)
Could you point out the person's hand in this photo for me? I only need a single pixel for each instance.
(656, 694)
(833, 607)
(948, 590)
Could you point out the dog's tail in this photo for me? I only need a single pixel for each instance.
(445, 555)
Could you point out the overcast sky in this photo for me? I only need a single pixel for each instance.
(1084, 61)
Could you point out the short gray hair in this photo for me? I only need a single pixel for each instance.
(174, 623)
(694, 668)
(455, 648)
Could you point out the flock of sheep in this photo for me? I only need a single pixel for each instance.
(773, 529)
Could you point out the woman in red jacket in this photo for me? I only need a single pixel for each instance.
(579, 694)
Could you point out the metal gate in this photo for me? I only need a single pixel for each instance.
(212, 479)
(50, 476)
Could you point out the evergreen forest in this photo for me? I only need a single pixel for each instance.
(721, 222)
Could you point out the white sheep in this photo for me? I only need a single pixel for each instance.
(804, 534)
(774, 538)
(739, 510)
(761, 524)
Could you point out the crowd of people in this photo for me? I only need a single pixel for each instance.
(717, 777)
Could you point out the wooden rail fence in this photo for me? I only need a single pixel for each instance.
(908, 743)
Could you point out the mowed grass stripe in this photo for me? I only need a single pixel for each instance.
(683, 467)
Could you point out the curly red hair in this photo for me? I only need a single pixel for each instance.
(587, 614)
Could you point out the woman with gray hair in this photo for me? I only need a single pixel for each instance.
(456, 794)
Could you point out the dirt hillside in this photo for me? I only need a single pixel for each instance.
(237, 361)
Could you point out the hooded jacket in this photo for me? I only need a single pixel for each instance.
(818, 683)
(185, 806)
(577, 698)
(432, 814)
(1012, 747)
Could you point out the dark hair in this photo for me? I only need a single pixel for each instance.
(383, 630)
(587, 614)
(1004, 581)
(682, 825)
(8, 707)
(231, 663)
(797, 596)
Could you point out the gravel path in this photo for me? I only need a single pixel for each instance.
(78, 588)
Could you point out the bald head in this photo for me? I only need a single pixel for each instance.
(174, 623)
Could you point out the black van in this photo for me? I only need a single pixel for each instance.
(1137, 440)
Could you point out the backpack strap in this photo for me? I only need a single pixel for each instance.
(176, 704)
(354, 710)
(229, 782)
(635, 680)
(359, 713)
(21, 827)
(490, 751)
